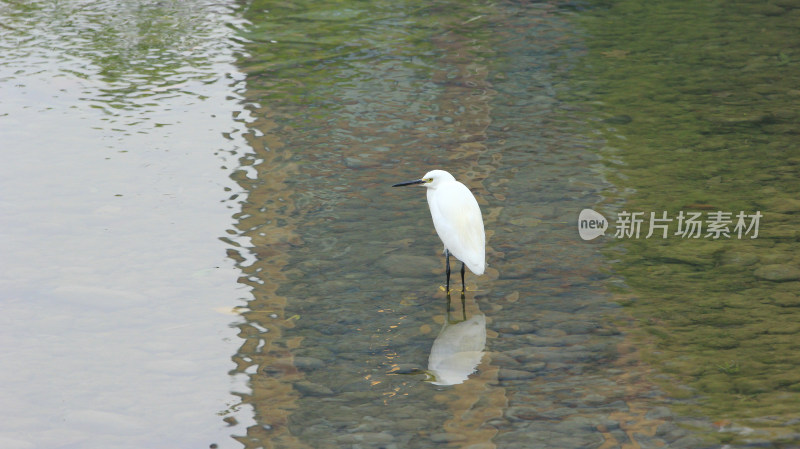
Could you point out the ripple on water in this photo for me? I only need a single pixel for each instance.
(111, 114)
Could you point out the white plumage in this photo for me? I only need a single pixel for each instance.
(457, 219)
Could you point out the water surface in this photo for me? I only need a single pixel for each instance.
(201, 245)
(698, 105)
(114, 283)
(345, 272)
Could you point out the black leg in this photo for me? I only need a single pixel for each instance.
(463, 288)
(463, 307)
(463, 300)
(447, 265)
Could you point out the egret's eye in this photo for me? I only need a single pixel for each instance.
(428, 179)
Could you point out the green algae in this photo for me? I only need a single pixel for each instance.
(698, 103)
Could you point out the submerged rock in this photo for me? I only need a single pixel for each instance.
(740, 258)
(404, 265)
(308, 363)
(513, 374)
(778, 273)
(659, 413)
(312, 389)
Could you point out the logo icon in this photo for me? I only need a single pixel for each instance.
(591, 224)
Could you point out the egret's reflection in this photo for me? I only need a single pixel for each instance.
(457, 350)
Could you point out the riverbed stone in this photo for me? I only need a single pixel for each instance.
(649, 442)
(411, 424)
(444, 437)
(372, 439)
(740, 258)
(778, 273)
(522, 413)
(514, 374)
(786, 299)
(360, 163)
(594, 399)
(784, 205)
(692, 442)
(534, 366)
(406, 265)
(308, 363)
(312, 389)
(504, 360)
(514, 327)
(659, 413)
(670, 431)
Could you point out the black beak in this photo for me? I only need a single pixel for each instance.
(408, 183)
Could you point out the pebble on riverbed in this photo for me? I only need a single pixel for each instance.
(778, 273)
(403, 265)
(307, 388)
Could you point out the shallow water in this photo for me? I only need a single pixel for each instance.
(345, 270)
(201, 246)
(708, 94)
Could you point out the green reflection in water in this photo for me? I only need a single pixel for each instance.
(122, 56)
(699, 104)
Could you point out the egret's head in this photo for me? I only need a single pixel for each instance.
(435, 177)
(431, 180)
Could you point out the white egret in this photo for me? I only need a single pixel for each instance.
(457, 219)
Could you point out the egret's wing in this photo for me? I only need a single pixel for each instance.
(457, 219)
